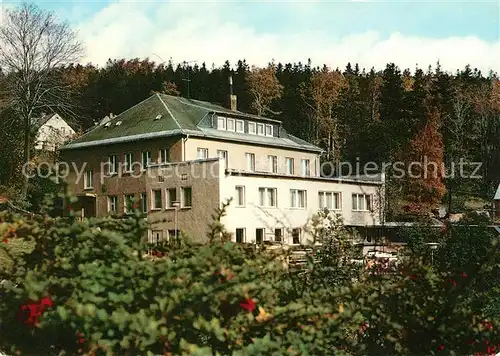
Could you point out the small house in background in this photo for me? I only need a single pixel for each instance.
(496, 204)
(51, 131)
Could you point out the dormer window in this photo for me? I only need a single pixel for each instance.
(221, 123)
(260, 129)
(230, 124)
(251, 128)
(240, 126)
(269, 130)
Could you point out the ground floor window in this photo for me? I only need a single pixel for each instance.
(278, 235)
(240, 235)
(296, 236)
(156, 237)
(259, 236)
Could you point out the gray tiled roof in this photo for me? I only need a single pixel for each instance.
(178, 116)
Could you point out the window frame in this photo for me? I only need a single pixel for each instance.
(113, 164)
(290, 169)
(281, 234)
(262, 126)
(367, 200)
(144, 202)
(219, 120)
(88, 179)
(252, 161)
(243, 238)
(110, 203)
(254, 126)
(243, 198)
(336, 202)
(169, 201)
(127, 168)
(163, 156)
(267, 126)
(128, 210)
(264, 200)
(294, 198)
(228, 120)
(242, 126)
(305, 170)
(273, 163)
(226, 157)
(145, 163)
(154, 199)
(183, 203)
(201, 149)
(299, 237)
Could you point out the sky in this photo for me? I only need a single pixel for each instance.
(369, 32)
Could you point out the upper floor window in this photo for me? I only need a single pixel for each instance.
(230, 125)
(273, 164)
(260, 129)
(163, 156)
(223, 154)
(306, 172)
(269, 130)
(88, 180)
(128, 203)
(112, 164)
(329, 200)
(250, 157)
(144, 202)
(128, 162)
(251, 128)
(156, 199)
(221, 123)
(187, 197)
(240, 126)
(171, 197)
(289, 165)
(240, 195)
(361, 202)
(202, 153)
(297, 198)
(112, 204)
(146, 159)
(268, 197)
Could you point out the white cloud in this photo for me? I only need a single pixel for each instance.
(205, 32)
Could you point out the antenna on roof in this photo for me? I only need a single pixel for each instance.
(188, 80)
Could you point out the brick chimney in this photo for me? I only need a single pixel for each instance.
(233, 99)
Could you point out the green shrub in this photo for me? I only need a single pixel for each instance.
(90, 288)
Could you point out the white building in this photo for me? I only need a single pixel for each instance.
(51, 131)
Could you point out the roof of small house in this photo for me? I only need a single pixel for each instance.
(38, 122)
(163, 115)
(497, 194)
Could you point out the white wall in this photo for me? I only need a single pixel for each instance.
(53, 133)
(252, 216)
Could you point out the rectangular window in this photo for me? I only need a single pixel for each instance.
(269, 130)
(278, 235)
(202, 153)
(128, 203)
(186, 197)
(171, 197)
(296, 236)
(240, 235)
(156, 237)
(156, 199)
(128, 162)
(146, 159)
(163, 156)
(361, 202)
(144, 202)
(230, 124)
(289, 165)
(298, 198)
(240, 195)
(250, 157)
(221, 123)
(273, 164)
(112, 164)
(267, 197)
(329, 200)
(88, 180)
(259, 236)
(112, 204)
(223, 154)
(260, 129)
(305, 168)
(251, 128)
(240, 126)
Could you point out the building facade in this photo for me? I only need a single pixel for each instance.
(180, 159)
(51, 132)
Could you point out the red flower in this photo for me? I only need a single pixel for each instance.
(463, 274)
(441, 347)
(5, 240)
(30, 312)
(248, 304)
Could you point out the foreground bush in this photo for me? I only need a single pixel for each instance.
(87, 287)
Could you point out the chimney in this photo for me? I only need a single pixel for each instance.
(233, 100)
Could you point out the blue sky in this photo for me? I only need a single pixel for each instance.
(369, 32)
